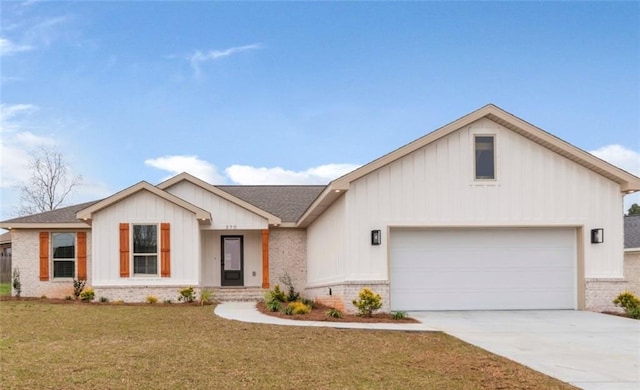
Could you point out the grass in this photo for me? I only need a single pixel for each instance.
(87, 346)
(5, 289)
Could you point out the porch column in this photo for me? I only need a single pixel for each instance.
(265, 258)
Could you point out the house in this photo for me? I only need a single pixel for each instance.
(632, 253)
(5, 257)
(487, 212)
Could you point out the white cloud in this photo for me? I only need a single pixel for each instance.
(190, 164)
(244, 174)
(8, 48)
(198, 57)
(16, 144)
(624, 158)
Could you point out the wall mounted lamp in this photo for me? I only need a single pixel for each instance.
(376, 237)
(597, 236)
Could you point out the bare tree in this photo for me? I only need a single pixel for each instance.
(50, 182)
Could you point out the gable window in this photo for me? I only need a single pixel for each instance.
(145, 249)
(63, 255)
(485, 157)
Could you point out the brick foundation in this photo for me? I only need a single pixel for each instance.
(600, 293)
(340, 295)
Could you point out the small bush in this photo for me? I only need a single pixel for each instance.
(118, 302)
(151, 299)
(309, 302)
(104, 299)
(16, 283)
(278, 294)
(78, 286)
(367, 302)
(292, 294)
(334, 313)
(187, 295)
(399, 315)
(273, 305)
(288, 310)
(68, 298)
(43, 296)
(87, 295)
(206, 296)
(298, 307)
(630, 303)
(167, 301)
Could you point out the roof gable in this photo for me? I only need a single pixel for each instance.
(87, 213)
(628, 182)
(272, 219)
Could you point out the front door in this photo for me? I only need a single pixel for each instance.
(232, 261)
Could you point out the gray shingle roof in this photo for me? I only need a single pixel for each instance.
(286, 202)
(632, 231)
(61, 215)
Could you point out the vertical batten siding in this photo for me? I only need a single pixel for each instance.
(145, 207)
(211, 252)
(224, 212)
(435, 186)
(326, 245)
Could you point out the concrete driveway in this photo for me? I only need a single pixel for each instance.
(588, 350)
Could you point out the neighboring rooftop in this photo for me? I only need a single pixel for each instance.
(286, 202)
(5, 238)
(632, 231)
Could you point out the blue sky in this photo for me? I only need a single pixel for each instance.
(270, 93)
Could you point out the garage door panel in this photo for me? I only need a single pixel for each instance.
(512, 269)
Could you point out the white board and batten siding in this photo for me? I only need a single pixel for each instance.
(144, 207)
(225, 214)
(326, 246)
(435, 187)
(483, 269)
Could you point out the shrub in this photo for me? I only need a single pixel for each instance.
(43, 296)
(309, 302)
(16, 283)
(187, 295)
(278, 294)
(78, 286)
(298, 307)
(630, 303)
(292, 294)
(272, 305)
(367, 302)
(68, 298)
(206, 296)
(151, 299)
(87, 295)
(399, 315)
(334, 313)
(118, 302)
(167, 301)
(104, 299)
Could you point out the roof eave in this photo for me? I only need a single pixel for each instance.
(45, 225)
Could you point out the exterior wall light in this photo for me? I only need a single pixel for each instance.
(376, 237)
(597, 236)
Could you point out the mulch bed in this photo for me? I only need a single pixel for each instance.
(318, 313)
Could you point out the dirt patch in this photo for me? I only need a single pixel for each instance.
(319, 313)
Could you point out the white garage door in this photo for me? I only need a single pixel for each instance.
(483, 269)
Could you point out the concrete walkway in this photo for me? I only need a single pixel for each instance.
(589, 350)
(247, 312)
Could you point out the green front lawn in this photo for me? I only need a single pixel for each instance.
(5, 289)
(89, 346)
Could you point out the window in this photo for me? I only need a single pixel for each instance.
(485, 157)
(64, 255)
(145, 249)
